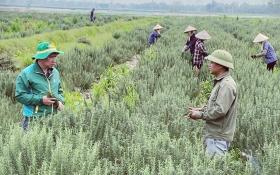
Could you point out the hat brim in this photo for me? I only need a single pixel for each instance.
(203, 37)
(260, 40)
(44, 55)
(192, 30)
(158, 28)
(218, 61)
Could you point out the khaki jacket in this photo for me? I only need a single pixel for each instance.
(220, 112)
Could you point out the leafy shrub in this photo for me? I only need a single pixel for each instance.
(116, 35)
(84, 40)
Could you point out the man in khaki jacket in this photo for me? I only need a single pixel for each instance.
(220, 112)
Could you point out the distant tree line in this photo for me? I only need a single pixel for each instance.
(272, 7)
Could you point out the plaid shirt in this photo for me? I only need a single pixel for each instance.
(199, 53)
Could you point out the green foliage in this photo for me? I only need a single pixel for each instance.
(7, 84)
(10, 111)
(73, 100)
(150, 53)
(84, 40)
(23, 49)
(18, 24)
(132, 97)
(108, 81)
(204, 92)
(20, 157)
(80, 67)
(116, 35)
(6, 62)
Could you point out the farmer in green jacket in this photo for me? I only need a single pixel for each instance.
(38, 86)
(220, 113)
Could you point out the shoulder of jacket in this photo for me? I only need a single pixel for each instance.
(29, 69)
(228, 81)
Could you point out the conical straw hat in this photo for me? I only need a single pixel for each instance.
(157, 27)
(260, 38)
(203, 35)
(189, 29)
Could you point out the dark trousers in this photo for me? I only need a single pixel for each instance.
(271, 66)
(25, 122)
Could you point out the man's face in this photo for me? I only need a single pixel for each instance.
(50, 61)
(190, 33)
(214, 68)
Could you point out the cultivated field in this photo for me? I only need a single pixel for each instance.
(123, 120)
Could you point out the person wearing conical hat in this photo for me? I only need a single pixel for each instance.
(200, 51)
(155, 35)
(191, 39)
(267, 52)
(220, 112)
(38, 86)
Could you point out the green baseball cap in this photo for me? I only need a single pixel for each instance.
(221, 57)
(44, 49)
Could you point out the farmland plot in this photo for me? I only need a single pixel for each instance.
(139, 128)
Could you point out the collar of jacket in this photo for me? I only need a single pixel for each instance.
(222, 76)
(38, 70)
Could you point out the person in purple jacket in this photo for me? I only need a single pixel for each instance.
(155, 35)
(191, 40)
(268, 52)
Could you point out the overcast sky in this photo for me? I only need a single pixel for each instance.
(183, 1)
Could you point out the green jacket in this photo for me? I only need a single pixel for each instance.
(32, 85)
(220, 112)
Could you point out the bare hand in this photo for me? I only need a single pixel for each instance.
(48, 100)
(195, 115)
